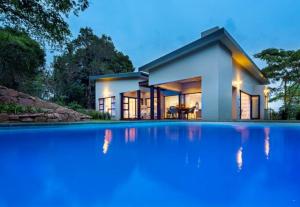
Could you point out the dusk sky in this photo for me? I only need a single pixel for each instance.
(146, 30)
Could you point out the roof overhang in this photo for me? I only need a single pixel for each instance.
(117, 76)
(218, 36)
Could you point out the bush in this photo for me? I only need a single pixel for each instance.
(75, 106)
(97, 114)
(18, 109)
(298, 115)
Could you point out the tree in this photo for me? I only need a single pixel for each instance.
(21, 62)
(283, 69)
(86, 55)
(44, 19)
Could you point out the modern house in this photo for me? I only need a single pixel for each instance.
(211, 79)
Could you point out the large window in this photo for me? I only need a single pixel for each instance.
(108, 105)
(193, 100)
(130, 108)
(148, 104)
(245, 105)
(170, 101)
(250, 106)
(255, 102)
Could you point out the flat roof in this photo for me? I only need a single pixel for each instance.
(221, 36)
(114, 76)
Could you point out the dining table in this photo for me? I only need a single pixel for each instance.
(182, 112)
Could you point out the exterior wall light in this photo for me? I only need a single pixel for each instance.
(237, 83)
(266, 91)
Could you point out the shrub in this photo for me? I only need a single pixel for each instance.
(13, 108)
(96, 114)
(75, 106)
(298, 115)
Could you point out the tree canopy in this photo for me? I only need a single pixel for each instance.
(43, 19)
(283, 69)
(86, 55)
(21, 61)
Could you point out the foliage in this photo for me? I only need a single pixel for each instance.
(74, 106)
(85, 56)
(44, 19)
(298, 115)
(283, 69)
(94, 114)
(18, 109)
(97, 114)
(21, 62)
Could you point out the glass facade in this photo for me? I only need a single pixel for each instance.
(130, 108)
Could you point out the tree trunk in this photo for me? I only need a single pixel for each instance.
(285, 112)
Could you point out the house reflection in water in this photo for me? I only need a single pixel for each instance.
(239, 158)
(130, 135)
(194, 132)
(107, 140)
(244, 131)
(267, 142)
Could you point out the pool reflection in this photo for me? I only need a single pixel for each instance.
(107, 140)
(267, 142)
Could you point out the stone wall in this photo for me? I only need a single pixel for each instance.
(51, 112)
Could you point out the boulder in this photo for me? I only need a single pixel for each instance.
(51, 112)
(4, 117)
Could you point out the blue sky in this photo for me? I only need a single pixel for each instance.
(146, 29)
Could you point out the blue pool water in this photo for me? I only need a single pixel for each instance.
(150, 164)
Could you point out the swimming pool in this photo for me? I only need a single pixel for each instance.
(150, 164)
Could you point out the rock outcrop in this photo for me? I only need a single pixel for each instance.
(51, 112)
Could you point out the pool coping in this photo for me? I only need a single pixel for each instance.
(14, 124)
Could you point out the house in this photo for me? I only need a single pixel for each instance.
(211, 79)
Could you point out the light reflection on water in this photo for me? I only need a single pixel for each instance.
(267, 142)
(151, 165)
(107, 140)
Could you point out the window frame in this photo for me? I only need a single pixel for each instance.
(112, 109)
(251, 106)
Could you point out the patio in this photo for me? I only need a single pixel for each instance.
(174, 100)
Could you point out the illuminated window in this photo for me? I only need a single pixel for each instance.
(255, 107)
(192, 100)
(108, 105)
(130, 108)
(250, 106)
(170, 101)
(245, 105)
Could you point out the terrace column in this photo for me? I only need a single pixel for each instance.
(179, 104)
(158, 103)
(122, 106)
(138, 104)
(151, 102)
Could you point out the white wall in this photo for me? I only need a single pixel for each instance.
(114, 88)
(214, 65)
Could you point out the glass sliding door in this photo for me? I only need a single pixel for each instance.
(170, 101)
(250, 106)
(245, 105)
(132, 108)
(255, 102)
(129, 108)
(193, 100)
